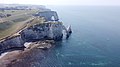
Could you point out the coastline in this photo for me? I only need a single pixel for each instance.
(34, 39)
(12, 58)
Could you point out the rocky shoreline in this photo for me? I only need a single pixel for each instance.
(35, 38)
(12, 58)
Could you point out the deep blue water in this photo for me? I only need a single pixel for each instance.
(95, 41)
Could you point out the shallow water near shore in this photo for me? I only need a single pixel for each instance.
(94, 42)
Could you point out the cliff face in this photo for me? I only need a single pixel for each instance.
(12, 42)
(48, 30)
(36, 30)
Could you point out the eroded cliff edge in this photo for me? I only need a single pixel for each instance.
(40, 30)
(36, 32)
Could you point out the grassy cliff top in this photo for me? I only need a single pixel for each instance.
(19, 20)
(12, 24)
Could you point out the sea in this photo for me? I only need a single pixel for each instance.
(94, 42)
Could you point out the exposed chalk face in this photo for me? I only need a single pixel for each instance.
(49, 30)
(14, 42)
(43, 31)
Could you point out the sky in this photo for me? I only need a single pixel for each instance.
(63, 2)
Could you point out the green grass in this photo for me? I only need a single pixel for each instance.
(12, 24)
(14, 12)
(5, 25)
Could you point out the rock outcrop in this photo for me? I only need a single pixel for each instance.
(41, 31)
(35, 31)
(48, 15)
(18, 58)
(12, 42)
(47, 30)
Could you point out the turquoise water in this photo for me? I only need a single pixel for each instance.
(95, 41)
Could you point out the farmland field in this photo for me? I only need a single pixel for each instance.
(15, 22)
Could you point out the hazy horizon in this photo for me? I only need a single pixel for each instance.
(65, 2)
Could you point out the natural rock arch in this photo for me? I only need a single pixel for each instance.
(48, 15)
